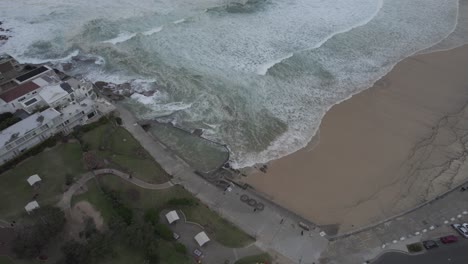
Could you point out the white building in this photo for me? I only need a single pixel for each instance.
(67, 101)
(27, 133)
(31, 206)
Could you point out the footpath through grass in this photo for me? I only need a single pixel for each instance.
(141, 199)
(117, 148)
(52, 165)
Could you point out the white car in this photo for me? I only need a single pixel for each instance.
(462, 229)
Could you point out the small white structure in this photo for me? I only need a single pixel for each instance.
(201, 238)
(34, 179)
(31, 206)
(172, 216)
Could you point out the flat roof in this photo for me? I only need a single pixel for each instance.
(31, 206)
(32, 73)
(201, 238)
(172, 216)
(24, 126)
(6, 66)
(33, 179)
(52, 93)
(18, 91)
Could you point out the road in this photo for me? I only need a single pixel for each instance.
(456, 253)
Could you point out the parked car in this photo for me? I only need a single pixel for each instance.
(448, 239)
(430, 244)
(198, 253)
(462, 229)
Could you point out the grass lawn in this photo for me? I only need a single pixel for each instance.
(138, 198)
(123, 255)
(5, 260)
(52, 166)
(169, 255)
(261, 258)
(124, 152)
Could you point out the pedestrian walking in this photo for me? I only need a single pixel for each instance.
(302, 233)
(282, 220)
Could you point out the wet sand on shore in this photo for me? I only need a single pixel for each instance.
(383, 151)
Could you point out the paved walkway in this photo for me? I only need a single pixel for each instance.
(275, 229)
(65, 202)
(136, 181)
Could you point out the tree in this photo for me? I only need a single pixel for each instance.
(151, 216)
(75, 253)
(164, 231)
(152, 252)
(47, 222)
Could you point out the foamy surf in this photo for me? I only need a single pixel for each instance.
(207, 72)
(179, 21)
(263, 69)
(153, 31)
(122, 37)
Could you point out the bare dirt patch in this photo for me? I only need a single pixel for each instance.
(83, 210)
(77, 216)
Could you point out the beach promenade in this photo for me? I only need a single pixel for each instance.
(275, 229)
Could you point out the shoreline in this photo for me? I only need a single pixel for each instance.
(371, 117)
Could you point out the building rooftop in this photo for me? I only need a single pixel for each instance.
(52, 93)
(32, 74)
(6, 66)
(34, 179)
(24, 126)
(18, 91)
(73, 108)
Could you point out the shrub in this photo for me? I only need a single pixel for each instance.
(180, 248)
(416, 247)
(181, 202)
(30, 240)
(68, 179)
(163, 231)
(151, 216)
(48, 143)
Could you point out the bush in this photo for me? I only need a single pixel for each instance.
(416, 247)
(69, 179)
(48, 143)
(79, 130)
(163, 231)
(180, 248)
(181, 202)
(30, 240)
(151, 216)
(9, 122)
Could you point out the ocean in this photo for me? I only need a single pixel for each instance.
(256, 75)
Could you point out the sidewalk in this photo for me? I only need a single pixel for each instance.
(274, 228)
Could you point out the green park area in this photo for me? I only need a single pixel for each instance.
(53, 166)
(111, 146)
(255, 259)
(175, 197)
(132, 231)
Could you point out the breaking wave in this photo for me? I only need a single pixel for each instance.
(261, 73)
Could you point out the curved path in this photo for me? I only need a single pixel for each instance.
(65, 202)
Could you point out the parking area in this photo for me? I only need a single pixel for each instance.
(212, 251)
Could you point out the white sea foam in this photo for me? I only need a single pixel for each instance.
(209, 67)
(124, 36)
(152, 31)
(263, 68)
(179, 21)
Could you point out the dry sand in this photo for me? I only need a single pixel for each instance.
(383, 151)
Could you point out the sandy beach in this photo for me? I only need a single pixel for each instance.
(383, 151)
